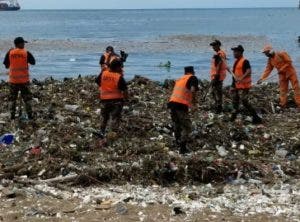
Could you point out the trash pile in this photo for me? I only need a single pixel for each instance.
(63, 139)
(61, 147)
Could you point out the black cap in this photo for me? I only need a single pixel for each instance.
(216, 42)
(116, 64)
(189, 69)
(110, 48)
(19, 40)
(239, 48)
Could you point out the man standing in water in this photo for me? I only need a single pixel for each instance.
(287, 73)
(218, 74)
(183, 98)
(17, 60)
(242, 83)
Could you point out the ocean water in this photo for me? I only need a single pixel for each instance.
(69, 42)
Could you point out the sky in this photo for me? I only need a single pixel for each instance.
(145, 4)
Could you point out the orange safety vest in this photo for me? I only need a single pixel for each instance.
(109, 88)
(180, 93)
(238, 72)
(18, 69)
(223, 68)
(108, 60)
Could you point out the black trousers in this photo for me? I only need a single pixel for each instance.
(182, 125)
(26, 95)
(217, 93)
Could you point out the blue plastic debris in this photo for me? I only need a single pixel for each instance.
(7, 139)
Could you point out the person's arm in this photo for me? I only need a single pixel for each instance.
(6, 61)
(98, 79)
(193, 86)
(269, 68)
(247, 70)
(102, 60)
(30, 58)
(194, 96)
(123, 87)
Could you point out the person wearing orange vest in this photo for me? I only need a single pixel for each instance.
(17, 60)
(242, 82)
(218, 74)
(108, 57)
(287, 73)
(182, 99)
(113, 91)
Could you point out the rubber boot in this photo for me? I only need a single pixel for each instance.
(183, 149)
(256, 119)
(219, 109)
(233, 117)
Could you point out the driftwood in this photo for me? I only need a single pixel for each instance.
(60, 179)
(52, 180)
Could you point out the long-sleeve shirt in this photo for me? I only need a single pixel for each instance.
(30, 59)
(282, 62)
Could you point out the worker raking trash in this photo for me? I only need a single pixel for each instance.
(218, 74)
(286, 71)
(242, 82)
(17, 60)
(182, 99)
(113, 91)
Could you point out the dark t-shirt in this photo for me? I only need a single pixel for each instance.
(192, 82)
(30, 59)
(246, 66)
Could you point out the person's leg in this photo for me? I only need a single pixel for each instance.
(296, 88)
(219, 96)
(116, 115)
(245, 100)
(214, 93)
(176, 124)
(27, 98)
(284, 89)
(186, 126)
(105, 114)
(13, 96)
(235, 103)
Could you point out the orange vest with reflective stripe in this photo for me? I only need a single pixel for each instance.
(239, 72)
(223, 68)
(18, 69)
(180, 93)
(109, 88)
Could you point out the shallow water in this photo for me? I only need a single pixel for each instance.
(68, 43)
